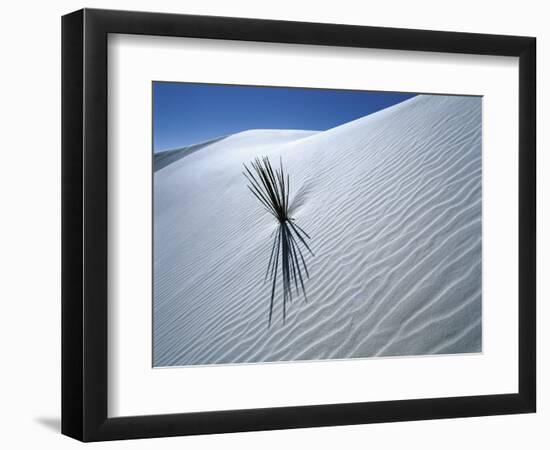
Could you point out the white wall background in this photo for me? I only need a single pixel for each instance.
(30, 224)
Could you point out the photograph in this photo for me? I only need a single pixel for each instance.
(313, 224)
(251, 225)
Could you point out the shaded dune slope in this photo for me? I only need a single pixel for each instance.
(392, 203)
(162, 159)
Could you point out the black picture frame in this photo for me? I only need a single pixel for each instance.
(84, 224)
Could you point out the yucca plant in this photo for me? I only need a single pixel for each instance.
(271, 188)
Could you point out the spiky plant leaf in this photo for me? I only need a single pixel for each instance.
(272, 190)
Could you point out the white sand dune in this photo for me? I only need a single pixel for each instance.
(392, 202)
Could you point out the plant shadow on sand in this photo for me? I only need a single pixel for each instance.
(271, 188)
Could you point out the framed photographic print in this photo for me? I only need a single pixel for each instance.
(273, 224)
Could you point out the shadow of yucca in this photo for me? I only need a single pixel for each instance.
(271, 188)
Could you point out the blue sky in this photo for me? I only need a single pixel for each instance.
(188, 113)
